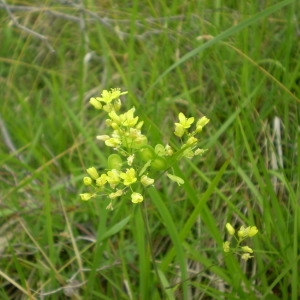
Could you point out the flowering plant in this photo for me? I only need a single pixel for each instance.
(242, 234)
(136, 163)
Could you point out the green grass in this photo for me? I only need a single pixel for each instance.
(236, 62)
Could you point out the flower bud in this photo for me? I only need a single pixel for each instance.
(199, 151)
(116, 194)
(201, 123)
(102, 180)
(247, 249)
(93, 172)
(191, 140)
(113, 142)
(136, 197)
(146, 181)
(246, 256)
(130, 159)
(230, 229)
(253, 231)
(179, 130)
(94, 102)
(176, 179)
(87, 196)
(102, 137)
(226, 246)
(87, 181)
(160, 150)
(169, 150)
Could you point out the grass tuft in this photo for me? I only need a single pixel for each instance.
(235, 62)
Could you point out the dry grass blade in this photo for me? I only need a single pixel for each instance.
(19, 287)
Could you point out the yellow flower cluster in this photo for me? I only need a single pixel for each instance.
(128, 170)
(182, 130)
(116, 182)
(242, 234)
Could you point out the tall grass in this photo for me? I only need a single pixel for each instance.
(233, 61)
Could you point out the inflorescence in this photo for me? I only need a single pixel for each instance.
(136, 163)
(242, 234)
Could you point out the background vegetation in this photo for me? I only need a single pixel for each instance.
(237, 62)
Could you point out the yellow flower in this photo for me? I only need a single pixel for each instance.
(201, 123)
(116, 194)
(179, 130)
(188, 153)
(247, 231)
(117, 104)
(113, 142)
(146, 181)
(139, 125)
(247, 249)
(94, 102)
(93, 172)
(87, 181)
(226, 246)
(253, 231)
(199, 151)
(192, 140)
(246, 256)
(127, 119)
(108, 96)
(87, 196)
(128, 177)
(113, 177)
(130, 159)
(136, 197)
(230, 229)
(243, 232)
(183, 124)
(110, 206)
(114, 117)
(169, 150)
(101, 181)
(184, 121)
